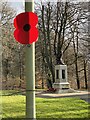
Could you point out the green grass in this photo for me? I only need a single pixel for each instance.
(14, 106)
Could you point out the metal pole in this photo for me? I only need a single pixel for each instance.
(30, 72)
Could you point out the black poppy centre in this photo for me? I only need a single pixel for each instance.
(26, 27)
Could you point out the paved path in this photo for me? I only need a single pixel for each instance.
(84, 95)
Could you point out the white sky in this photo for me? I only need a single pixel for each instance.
(45, 0)
(18, 5)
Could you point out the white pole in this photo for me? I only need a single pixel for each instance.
(30, 72)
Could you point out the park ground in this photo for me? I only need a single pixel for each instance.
(13, 106)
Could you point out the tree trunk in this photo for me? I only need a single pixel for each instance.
(76, 62)
(7, 72)
(77, 76)
(42, 73)
(20, 69)
(85, 74)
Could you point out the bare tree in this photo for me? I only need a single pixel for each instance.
(13, 52)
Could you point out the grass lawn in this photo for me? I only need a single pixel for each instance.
(14, 106)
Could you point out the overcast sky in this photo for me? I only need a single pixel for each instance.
(18, 6)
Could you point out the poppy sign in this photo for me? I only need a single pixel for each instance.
(26, 31)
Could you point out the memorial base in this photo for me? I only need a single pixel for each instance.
(63, 88)
(61, 81)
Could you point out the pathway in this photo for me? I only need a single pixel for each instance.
(84, 95)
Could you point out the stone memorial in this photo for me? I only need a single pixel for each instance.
(61, 81)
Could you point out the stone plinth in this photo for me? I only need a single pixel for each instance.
(64, 85)
(61, 81)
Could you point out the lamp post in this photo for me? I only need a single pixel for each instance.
(30, 72)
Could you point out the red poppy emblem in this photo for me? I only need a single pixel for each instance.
(26, 31)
